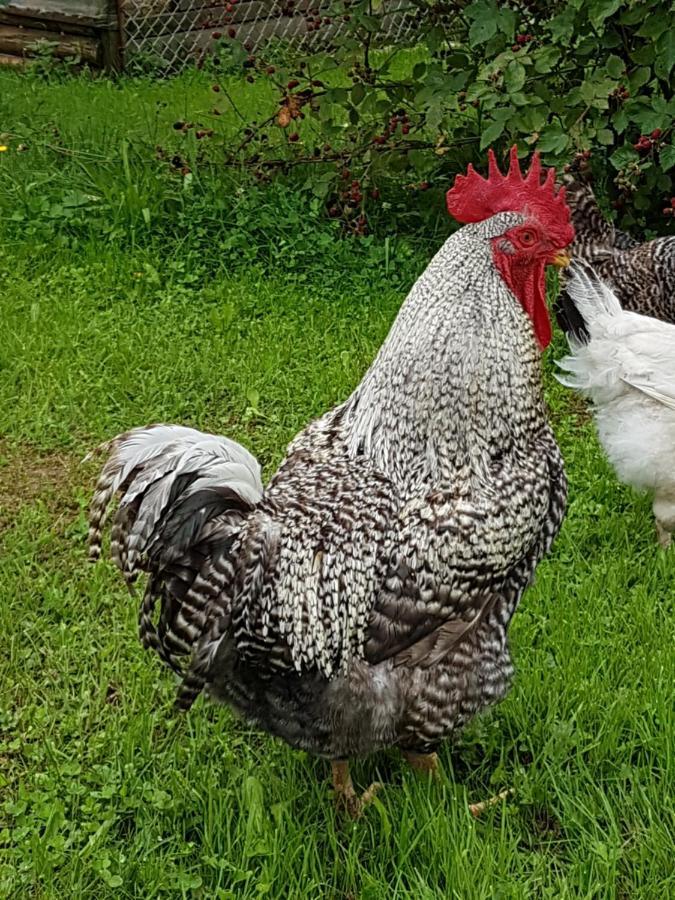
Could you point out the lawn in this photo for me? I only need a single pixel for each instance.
(251, 323)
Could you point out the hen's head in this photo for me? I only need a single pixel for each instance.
(524, 249)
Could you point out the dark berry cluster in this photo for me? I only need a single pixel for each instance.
(646, 141)
(521, 41)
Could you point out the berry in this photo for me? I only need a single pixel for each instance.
(375, 194)
(672, 202)
(333, 212)
(270, 70)
(656, 134)
(668, 211)
(293, 138)
(424, 185)
(379, 139)
(232, 32)
(216, 34)
(178, 126)
(292, 84)
(248, 46)
(405, 129)
(215, 88)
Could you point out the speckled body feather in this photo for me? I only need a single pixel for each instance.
(363, 598)
(641, 274)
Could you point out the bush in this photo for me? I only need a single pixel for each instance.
(583, 82)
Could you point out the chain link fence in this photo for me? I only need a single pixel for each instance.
(171, 33)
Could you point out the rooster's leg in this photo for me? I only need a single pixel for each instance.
(345, 794)
(426, 763)
(663, 536)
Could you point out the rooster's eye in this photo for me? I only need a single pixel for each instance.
(527, 238)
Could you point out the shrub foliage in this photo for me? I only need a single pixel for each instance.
(586, 83)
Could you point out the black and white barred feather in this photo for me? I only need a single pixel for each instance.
(362, 599)
(641, 274)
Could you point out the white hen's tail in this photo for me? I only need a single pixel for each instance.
(183, 498)
(615, 352)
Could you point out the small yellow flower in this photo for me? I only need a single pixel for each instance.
(3, 148)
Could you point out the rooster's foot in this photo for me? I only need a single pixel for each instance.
(425, 763)
(346, 797)
(477, 808)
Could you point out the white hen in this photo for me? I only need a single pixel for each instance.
(625, 363)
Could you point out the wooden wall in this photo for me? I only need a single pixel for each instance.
(88, 29)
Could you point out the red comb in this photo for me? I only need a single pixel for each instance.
(474, 198)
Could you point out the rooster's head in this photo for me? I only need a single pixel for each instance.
(522, 252)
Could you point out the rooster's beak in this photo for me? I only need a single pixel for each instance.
(561, 259)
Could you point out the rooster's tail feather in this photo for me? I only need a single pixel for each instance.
(184, 496)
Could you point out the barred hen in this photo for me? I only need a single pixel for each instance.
(362, 599)
(624, 362)
(641, 274)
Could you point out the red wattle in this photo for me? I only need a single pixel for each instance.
(528, 283)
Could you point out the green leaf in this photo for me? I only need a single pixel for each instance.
(665, 53)
(654, 26)
(623, 156)
(481, 31)
(639, 77)
(506, 22)
(484, 15)
(514, 77)
(605, 136)
(531, 118)
(491, 133)
(620, 120)
(546, 60)
(519, 99)
(554, 140)
(358, 93)
(615, 66)
(419, 70)
(645, 55)
(667, 157)
(601, 10)
(562, 25)
(649, 113)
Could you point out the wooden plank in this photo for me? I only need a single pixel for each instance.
(112, 39)
(70, 26)
(14, 61)
(70, 9)
(17, 41)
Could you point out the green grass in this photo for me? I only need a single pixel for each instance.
(105, 791)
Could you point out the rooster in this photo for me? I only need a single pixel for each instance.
(362, 599)
(624, 362)
(642, 275)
